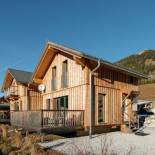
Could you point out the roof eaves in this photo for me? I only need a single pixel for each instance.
(82, 54)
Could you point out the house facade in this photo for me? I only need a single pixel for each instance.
(65, 74)
(76, 91)
(20, 92)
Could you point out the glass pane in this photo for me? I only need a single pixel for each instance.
(48, 102)
(62, 102)
(101, 108)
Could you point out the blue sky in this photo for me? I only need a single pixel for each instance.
(111, 29)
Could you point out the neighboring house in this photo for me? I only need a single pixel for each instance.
(20, 92)
(4, 111)
(69, 88)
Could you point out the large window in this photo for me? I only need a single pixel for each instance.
(64, 77)
(53, 78)
(101, 108)
(61, 103)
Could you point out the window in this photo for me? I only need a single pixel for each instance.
(64, 77)
(21, 105)
(48, 104)
(101, 108)
(61, 103)
(54, 78)
(131, 80)
(16, 106)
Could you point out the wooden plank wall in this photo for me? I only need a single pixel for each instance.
(27, 96)
(77, 81)
(112, 84)
(35, 99)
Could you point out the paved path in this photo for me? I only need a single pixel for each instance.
(122, 143)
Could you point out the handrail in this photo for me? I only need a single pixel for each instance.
(43, 110)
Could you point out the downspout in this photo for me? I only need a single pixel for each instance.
(91, 97)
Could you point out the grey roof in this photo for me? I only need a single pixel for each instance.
(21, 76)
(90, 57)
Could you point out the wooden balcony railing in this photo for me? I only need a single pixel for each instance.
(62, 118)
(11, 92)
(48, 119)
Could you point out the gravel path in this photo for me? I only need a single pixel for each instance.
(120, 143)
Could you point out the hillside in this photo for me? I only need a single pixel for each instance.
(143, 62)
(147, 92)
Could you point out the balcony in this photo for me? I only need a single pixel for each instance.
(12, 93)
(48, 119)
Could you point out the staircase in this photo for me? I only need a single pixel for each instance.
(130, 122)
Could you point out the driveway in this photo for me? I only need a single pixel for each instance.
(117, 142)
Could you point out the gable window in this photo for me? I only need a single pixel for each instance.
(53, 78)
(101, 108)
(64, 77)
(48, 104)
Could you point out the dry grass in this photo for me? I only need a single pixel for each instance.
(17, 144)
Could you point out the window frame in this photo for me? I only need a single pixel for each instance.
(54, 80)
(104, 109)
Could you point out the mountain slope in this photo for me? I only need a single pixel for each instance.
(143, 62)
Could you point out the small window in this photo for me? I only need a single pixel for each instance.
(48, 104)
(64, 77)
(101, 108)
(65, 67)
(54, 78)
(17, 106)
(21, 105)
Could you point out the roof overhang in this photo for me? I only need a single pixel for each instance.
(7, 80)
(52, 49)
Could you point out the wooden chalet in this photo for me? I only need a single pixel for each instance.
(20, 93)
(80, 92)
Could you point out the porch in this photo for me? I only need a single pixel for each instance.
(48, 120)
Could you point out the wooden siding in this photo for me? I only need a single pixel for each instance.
(76, 83)
(29, 98)
(113, 84)
(76, 74)
(109, 82)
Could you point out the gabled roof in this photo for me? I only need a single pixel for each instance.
(20, 76)
(52, 48)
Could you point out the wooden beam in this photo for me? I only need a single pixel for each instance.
(38, 81)
(80, 61)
